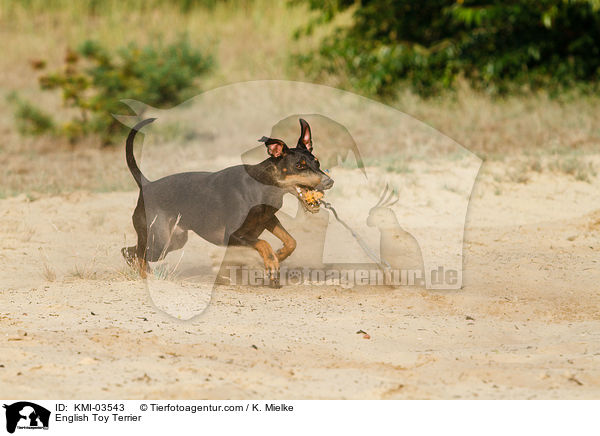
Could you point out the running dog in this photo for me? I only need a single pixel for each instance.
(231, 207)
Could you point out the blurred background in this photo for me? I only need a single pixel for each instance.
(515, 82)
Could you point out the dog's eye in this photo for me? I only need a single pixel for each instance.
(300, 166)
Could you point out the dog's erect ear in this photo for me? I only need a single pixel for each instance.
(305, 140)
(275, 147)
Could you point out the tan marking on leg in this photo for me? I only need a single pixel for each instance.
(143, 267)
(270, 259)
(289, 243)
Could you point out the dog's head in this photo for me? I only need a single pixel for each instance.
(298, 171)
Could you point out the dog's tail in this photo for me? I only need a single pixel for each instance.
(131, 163)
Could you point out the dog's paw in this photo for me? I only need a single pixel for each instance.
(129, 256)
(274, 281)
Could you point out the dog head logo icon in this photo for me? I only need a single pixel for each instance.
(26, 415)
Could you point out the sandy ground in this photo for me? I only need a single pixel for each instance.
(76, 323)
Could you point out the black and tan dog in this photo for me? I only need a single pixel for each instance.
(228, 207)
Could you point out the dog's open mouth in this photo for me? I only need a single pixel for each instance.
(310, 198)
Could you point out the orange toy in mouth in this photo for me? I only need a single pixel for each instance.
(310, 198)
(313, 197)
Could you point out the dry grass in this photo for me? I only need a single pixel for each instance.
(128, 273)
(252, 40)
(27, 232)
(83, 272)
(48, 273)
(524, 125)
(575, 166)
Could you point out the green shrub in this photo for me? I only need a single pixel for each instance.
(94, 80)
(497, 45)
(30, 120)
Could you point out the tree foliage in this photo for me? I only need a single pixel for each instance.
(497, 45)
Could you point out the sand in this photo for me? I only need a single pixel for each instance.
(77, 323)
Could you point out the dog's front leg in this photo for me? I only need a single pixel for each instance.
(271, 261)
(289, 243)
(266, 252)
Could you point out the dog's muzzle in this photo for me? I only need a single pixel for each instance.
(326, 183)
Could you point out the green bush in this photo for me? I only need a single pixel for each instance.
(30, 119)
(94, 80)
(497, 45)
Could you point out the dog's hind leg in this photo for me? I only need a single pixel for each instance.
(164, 235)
(135, 256)
(158, 234)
